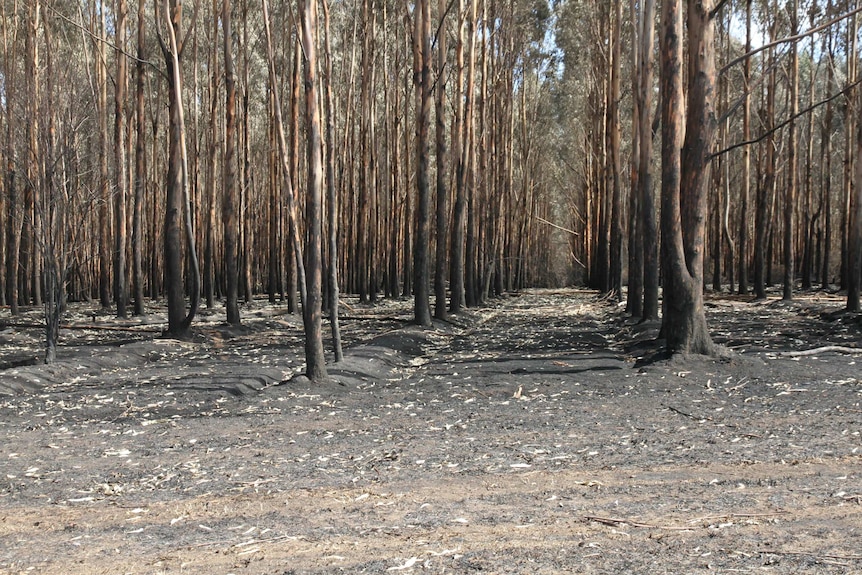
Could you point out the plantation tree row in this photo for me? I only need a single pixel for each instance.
(447, 150)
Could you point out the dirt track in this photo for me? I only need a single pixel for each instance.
(530, 437)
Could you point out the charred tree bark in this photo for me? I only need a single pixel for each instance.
(745, 190)
(104, 153)
(177, 197)
(616, 204)
(646, 190)
(422, 86)
(684, 177)
(441, 253)
(766, 191)
(140, 171)
(14, 215)
(331, 193)
(121, 288)
(850, 158)
(229, 199)
(826, 162)
(315, 364)
(792, 174)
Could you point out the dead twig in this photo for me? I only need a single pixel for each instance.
(694, 417)
(824, 349)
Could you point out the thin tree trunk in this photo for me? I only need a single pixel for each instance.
(809, 217)
(104, 153)
(14, 226)
(121, 288)
(331, 195)
(440, 263)
(645, 177)
(140, 171)
(616, 215)
(463, 135)
(791, 191)
(315, 365)
(849, 157)
(745, 188)
(363, 256)
(422, 85)
(854, 267)
(826, 163)
(282, 145)
(634, 295)
(177, 201)
(229, 198)
(766, 192)
(212, 139)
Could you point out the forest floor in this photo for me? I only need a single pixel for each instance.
(537, 435)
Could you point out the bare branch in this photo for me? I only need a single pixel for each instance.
(789, 39)
(801, 113)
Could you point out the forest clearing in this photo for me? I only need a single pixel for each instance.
(532, 435)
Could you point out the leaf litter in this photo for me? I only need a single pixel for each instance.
(515, 439)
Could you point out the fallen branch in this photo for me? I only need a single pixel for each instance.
(134, 328)
(138, 327)
(811, 554)
(824, 349)
(613, 522)
(737, 516)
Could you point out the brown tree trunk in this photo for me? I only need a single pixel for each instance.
(745, 188)
(104, 153)
(809, 217)
(315, 365)
(283, 150)
(212, 139)
(363, 255)
(14, 221)
(177, 200)
(684, 178)
(849, 150)
(792, 169)
(121, 288)
(229, 198)
(826, 161)
(616, 212)
(422, 85)
(766, 191)
(440, 263)
(140, 171)
(634, 294)
(854, 264)
(650, 233)
(331, 194)
(462, 146)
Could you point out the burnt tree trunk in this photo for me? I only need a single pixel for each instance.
(684, 176)
(315, 363)
(422, 85)
(140, 171)
(176, 201)
(440, 263)
(229, 200)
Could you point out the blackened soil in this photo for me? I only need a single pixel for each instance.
(537, 435)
